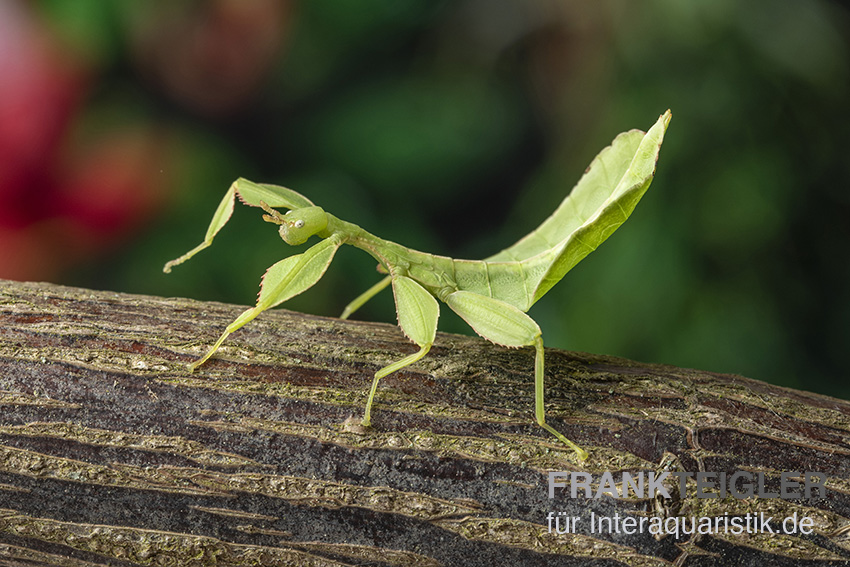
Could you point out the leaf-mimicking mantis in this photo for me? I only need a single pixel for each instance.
(491, 295)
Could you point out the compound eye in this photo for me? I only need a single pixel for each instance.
(299, 223)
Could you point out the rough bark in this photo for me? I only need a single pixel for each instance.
(111, 453)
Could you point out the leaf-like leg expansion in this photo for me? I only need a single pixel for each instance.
(251, 194)
(220, 218)
(364, 297)
(418, 312)
(506, 325)
(282, 281)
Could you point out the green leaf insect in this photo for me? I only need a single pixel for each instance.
(491, 295)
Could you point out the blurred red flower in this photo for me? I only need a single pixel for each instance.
(61, 203)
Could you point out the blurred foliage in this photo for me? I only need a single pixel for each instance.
(454, 128)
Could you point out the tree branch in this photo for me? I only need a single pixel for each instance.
(111, 453)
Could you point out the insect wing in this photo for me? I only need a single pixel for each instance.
(621, 200)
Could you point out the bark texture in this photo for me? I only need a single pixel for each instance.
(111, 453)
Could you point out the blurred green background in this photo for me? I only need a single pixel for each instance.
(453, 128)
